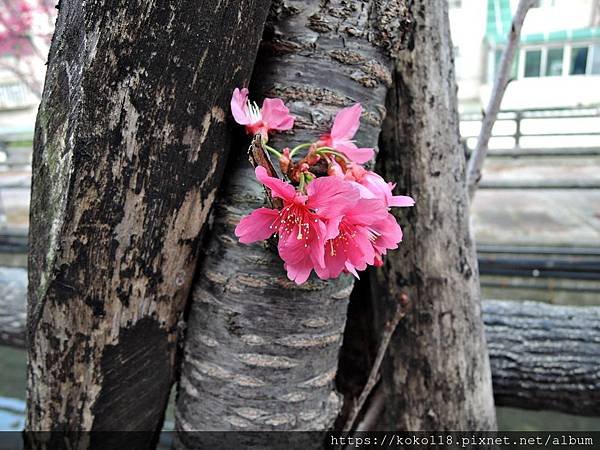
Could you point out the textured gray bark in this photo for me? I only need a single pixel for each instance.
(544, 356)
(262, 353)
(128, 152)
(437, 373)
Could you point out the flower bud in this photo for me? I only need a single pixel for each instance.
(313, 157)
(285, 160)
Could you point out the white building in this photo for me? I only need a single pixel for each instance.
(557, 64)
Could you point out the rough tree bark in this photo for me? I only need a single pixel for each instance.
(544, 356)
(437, 374)
(128, 152)
(262, 353)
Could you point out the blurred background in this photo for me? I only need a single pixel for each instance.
(536, 217)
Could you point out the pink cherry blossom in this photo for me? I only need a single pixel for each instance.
(273, 115)
(304, 223)
(344, 128)
(352, 249)
(387, 234)
(376, 187)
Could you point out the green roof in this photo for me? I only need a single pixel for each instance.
(499, 17)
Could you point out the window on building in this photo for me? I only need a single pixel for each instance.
(579, 56)
(533, 63)
(554, 62)
(595, 69)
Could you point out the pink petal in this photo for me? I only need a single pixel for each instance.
(298, 272)
(278, 187)
(316, 251)
(293, 250)
(334, 262)
(363, 252)
(352, 270)
(276, 115)
(322, 272)
(332, 227)
(256, 226)
(239, 106)
(334, 168)
(358, 155)
(365, 192)
(390, 234)
(329, 197)
(367, 211)
(401, 201)
(346, 122)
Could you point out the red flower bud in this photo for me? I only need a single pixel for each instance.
(285, 161)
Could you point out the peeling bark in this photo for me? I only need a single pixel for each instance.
(437, 374)
(261, 352)
(128, 152)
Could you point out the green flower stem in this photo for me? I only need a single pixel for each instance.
(272, 150)
(302, 183)
(331, 151)
(299, 147)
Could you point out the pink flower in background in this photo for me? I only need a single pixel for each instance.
(303, 224)
(25, 31)
(273, 115)
(344, 128)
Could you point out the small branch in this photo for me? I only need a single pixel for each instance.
(259, 157)
(373, 413)
(388, 331)
(491, 113)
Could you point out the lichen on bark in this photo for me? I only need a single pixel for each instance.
(127, 157)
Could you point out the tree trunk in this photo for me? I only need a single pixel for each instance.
(524, 339)
(544, 356)
(437, 374)
(261, 353)
(128, 152)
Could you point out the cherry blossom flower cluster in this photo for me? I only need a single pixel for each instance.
(17, 25)
(335, 214)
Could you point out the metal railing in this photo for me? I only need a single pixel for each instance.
(15, 95)
(558, 131)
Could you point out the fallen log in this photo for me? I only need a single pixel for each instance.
(542, 356)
